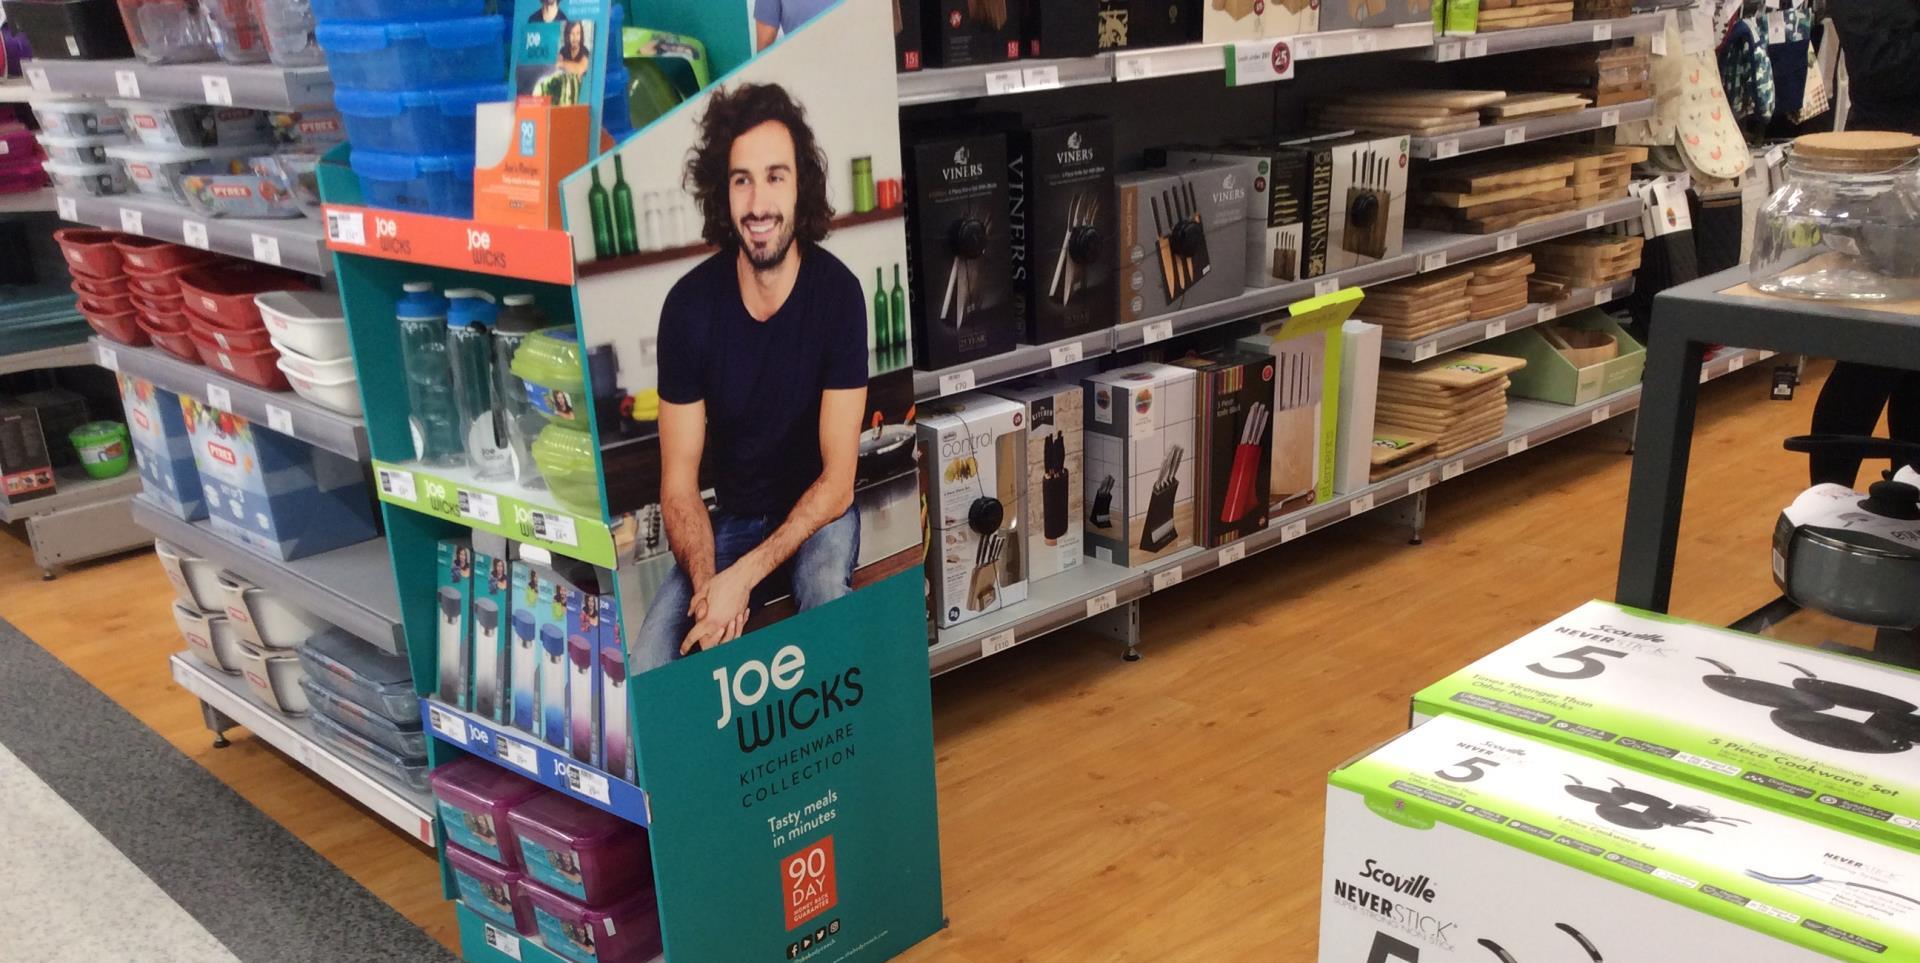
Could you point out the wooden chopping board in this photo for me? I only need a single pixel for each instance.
(1459, 369)
(1531, 104)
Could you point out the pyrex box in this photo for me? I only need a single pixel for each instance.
(963, 32)
(1183, 237)
(1060, 183)
(1139, 474)
(1233, 432)
(1456, 841)
(1055, 499)
(1823, 737)
(973, 458)
(169, 479)
(959, 250)
(273, 493)
(1278, 205)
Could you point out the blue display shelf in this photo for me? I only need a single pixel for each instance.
(524, 755)
(484, 941)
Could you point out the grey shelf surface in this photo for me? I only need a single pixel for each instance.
(27, 202)
(1424, 251)
(1525, 131)
(352, 587)
(59, 356)
(1070, 597)
(295, 243)
(264, 86)
(281, 411)
(73, 488)
(1474, 332)
(1489, 44)
(412, 812)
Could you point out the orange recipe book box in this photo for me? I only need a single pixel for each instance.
(522, 151)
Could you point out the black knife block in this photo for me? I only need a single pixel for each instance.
(1158, 531)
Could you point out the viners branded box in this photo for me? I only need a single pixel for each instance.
(1233, 435)
(1140, 453)
(960, 288)
(1824, 737)
(1183, 237)
(1134, 24)
(907, 36)
(963, 32)
(1060, 214)
(1055, 499)
(1458, 841)
(973, 458)
(1278, 205)
(1062, 28)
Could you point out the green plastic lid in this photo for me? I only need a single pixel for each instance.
(565, 458)
(551, 358)
(97, 433)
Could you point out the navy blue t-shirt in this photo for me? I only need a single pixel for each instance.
(761, 380)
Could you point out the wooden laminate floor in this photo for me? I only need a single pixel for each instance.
(1092, 809)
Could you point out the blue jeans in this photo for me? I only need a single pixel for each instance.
(821, 571)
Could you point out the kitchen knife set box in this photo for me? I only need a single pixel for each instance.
(1461, 841)
(1233, 441)
(1055, 497)
(523, 645)
(1348, 14)
(1306, 349)
(959, 249)
(974, 464)
(1137, 24)
(959, 33)
(1224, 21)
(1061, 211)
(1182, 237)
(1822, 737)
(26, 467)
(1139, 476)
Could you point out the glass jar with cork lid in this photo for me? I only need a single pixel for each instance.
(1846, 225)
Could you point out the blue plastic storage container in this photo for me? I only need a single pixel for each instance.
(388, 11)
(439, 184)
(415, 121)
(416, 55)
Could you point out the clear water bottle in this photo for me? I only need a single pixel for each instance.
(470, 316)
(433, 416)
(516, 418)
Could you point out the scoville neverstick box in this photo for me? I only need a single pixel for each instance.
(1060, 213)
(1055, 498)
(959, 250)
(1183, 237)
(1463, 842)
(1139, 473)
(1824, 737)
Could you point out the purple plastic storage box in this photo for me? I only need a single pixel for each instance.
(588, 854)
(474, 797)
(626, 932)
(492, 890)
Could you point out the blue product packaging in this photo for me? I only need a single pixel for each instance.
(550, 632)
(169, 479)
(616, 737)
(276, 494)
(583, 670)
(523, 649)
(454, 635)
(491, 630)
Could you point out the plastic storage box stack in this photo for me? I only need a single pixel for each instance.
(241, 629)
(363, 704)
(547, 865)
(68, 128)
(407, 78)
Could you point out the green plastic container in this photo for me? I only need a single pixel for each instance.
(549, 363)
(565, 459)
(103, 447)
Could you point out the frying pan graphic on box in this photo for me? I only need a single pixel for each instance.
(1631, 808)
(1804, 710)
(1810, 879)
(1500, 952)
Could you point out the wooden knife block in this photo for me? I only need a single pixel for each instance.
(1369, 241)
(1295, 447)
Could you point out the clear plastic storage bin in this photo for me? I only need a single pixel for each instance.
(416, 54)
(288, 27)
(386, 11)
(363, 722)
(588, 854)
(79, 150)
(439, 184)
(235, 31)
(626, 932)
(492, 890)
(474, 798)
(167, 31)
(410, 771)
(415, 121)
(363, 674)
(97, 180)
(77, 118)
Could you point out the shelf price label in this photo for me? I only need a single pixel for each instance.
(1260, 62)
(219, 397)
(1597, 219)
(1433, 262)
(1601, 414)
(1102, 603)
(195, 233)
(1156, 331)
(266, 249)
(1610, 118)
(1446, 148)
(1233, 552)
(1065, 354)
(479, 506)
(1514, 135)
(1040, 78)
(586, 782)
(67, 208)
(1169, 577)
(1602, 31)
(1326, 286)
(1547, 313)
(280, 419)
(517, 754)
(1506, 242)
(1452, 470)
(397, 484)
(218, 90)
(127, 83)
(1516, 446)
(1360, 505)
(37, 79)
(1496, 329)
(502, 942)
(552, 527)
(1735, 363)
(132, 221)
(954, 382)
(1420, 483)
(1293, 530)
(1447, 53)
(1005, 82)
(1138, 67)
(1477, 47)
(107, 358)
(447, 724)
(997, 643)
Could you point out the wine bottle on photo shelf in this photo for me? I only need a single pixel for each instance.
(600, 211)
(421, 315)
(897, 310)
(524, 669)
(553, 686)
(580, 697)
(624, 233)
(882, 313)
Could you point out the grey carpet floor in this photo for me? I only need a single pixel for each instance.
(249, 884)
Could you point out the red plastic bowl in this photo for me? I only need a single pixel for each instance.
(91, 252)
(229, 340)
(102, 304)
(164, 283)
(146, 255)
(177, 343)
(157, 303)
(224, 294)
(257, 368)
(100, 287)
(123, 327)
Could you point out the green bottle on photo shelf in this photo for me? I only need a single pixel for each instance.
(898, 310)
(882, 324)
(600, 211)
(623, 223)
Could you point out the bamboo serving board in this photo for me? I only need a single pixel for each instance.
(1450, 99)
(1483, 176)
(1531, 104)
(1460, 369)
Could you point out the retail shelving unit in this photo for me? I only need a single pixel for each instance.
(1524, 131)
(283, 411)
(1474, 332)
(60, 356)
(1104, 596)
(85, 518)
(296, 243)
(31, 202)
(262, 86)
(1448, 49)
(16, 91)
(225, 702)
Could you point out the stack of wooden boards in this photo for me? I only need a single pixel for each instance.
(1396, 450)
(1457, 399)
(1422, 113)
(1524, 105)
(1583, 261)
(1602, 9)
(1606, 76)
(1522, 185)
(1425, 305)
(1513, 14)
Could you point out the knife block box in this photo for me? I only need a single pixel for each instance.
(1137, 24)
(1062, 28)
(1306, 348)
(1183, 237)
(1140, 453)
(1060, 213)
(1359, 390)
(1056, 452)
(1225, 21)
(1277, 208)
(907, 36)
(973, 465)
(1233, 441)
(1370, 190)
(1347, 14)
(959, 250)
(961, 33)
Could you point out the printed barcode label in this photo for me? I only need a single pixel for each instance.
(1292, 530)
(1359, 505)
(1041, 78)
(448, 724)
(347, 227)
(1706, 374)
(1447, 52)
(479, 506)
(108, 358)
(1506, 242)
(1609, 118)
(1689, 759)
(501, 941)
(266, 249)
(1156, 331)
(1232, 553)
(1659, 39)
(1446, 148)
(1425, 351)
(132, 221)
(194, 233)
(1420, 483)
(588, 783)
(1516, 135)
(1602, 413)
(1517, 446)
(1167, 578)
(1496, 328)
(1433, 262)
(397, 483)
(280, 420)
(1133, 68)
(1325, 286)
(997, 643)
(219, 92)
(37, 78)
(1737, 362)
(219, 397)
(1452, 471)
(1104, 602)
(1477, 47)
(67, 208)
(554, 528)
(517, 754)
(1602, 31)
(1004, 82)
(954, 382)
(1065, 354)
(1596, 219)
(127, 83)
(1548, 312)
